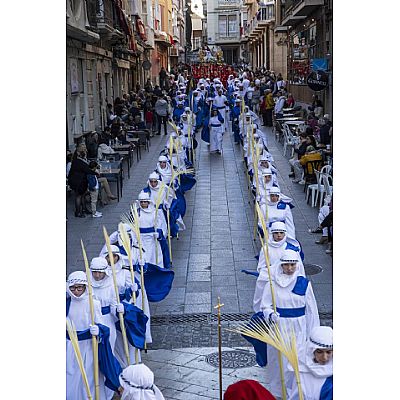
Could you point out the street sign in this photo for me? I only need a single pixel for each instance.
(317, 81)
(319, 64)
(146, 65)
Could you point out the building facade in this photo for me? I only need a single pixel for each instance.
(223, 27)
(100, 56)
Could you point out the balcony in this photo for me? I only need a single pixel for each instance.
(266, 14)
(232, 37)
(104, 16)
(228, 3)
(305, 7)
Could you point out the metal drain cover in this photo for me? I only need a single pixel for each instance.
(232, 359)
(312, 269)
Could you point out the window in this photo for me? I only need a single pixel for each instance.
(232, 25)
(144, 12)
(228, 26)
(162, 27)
(222, 27)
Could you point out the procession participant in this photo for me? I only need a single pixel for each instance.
(296, 309)
(216, 131)
(198, 103)
(279, 210)
(247, 389)
(277, 248)
(316, 368)
(205, 132)
(104, 292)
(235, 115)
(151, 235)
(266, 180)
(178, 111)
(78, 313)
(164, 169)
(278, 243)
(137, 382)
(254, 117)
(167, 202)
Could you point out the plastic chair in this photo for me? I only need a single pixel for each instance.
(327, 181)
(310, 178)
(289, 140)
(315, 189)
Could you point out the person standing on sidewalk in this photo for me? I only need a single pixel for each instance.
(269, 106)
(161, 109)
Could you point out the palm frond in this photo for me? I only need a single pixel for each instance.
(75, 344)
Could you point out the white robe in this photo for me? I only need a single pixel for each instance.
(150, 244)
(311, 386)
(275, 251)
(166, 173)
(79, 314)
(216, 134)
(302, 325)
(284, 215)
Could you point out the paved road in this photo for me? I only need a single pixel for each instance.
(207, 260)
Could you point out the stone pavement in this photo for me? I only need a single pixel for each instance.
(207, 260)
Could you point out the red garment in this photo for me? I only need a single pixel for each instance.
(247, 390)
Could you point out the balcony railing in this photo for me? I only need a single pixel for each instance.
(228, 3)
(227, 37)
(104, 12)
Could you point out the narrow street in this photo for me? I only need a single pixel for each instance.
(207, 260)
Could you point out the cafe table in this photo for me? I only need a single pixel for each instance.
(135, 141)
(112, 170)
(126, 151)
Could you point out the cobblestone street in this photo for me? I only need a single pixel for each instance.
(207, 260)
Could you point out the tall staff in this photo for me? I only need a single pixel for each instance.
(73, 337)
(264, 244)
(120, 314)
(94, 338)
(136, 229)
(218, 306)
(126, 244)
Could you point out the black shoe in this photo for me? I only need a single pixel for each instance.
(291, 175)
(80, 215)
(158, 133)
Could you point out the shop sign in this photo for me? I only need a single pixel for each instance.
(318, 80)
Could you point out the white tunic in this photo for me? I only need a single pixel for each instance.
(150, 244)
(283, 215)
(79, 314)
(302, 325)
(216, 134)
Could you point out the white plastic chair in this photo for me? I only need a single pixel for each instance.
(327, 181)
(315, 189)
(288, 141)
(318, 189)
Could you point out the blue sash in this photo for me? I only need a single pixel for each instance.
(291, 312)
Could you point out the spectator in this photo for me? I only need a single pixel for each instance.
(138, 124)
(148, 86)
(110, 114)
(157, 91)
(163, 77)
(319, 109)
(77, 179)
(280, 103)
(324, 130)
(161, 109)
(310, 155)
(116, 127)
(134, 110)
(93, 185)
(269, 106)
(290, 102)
(92, 144)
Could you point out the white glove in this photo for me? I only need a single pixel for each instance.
(155, 234)
(167, 206)
(274, 317)
(134, 287)
(94, 330)
(120, 308)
